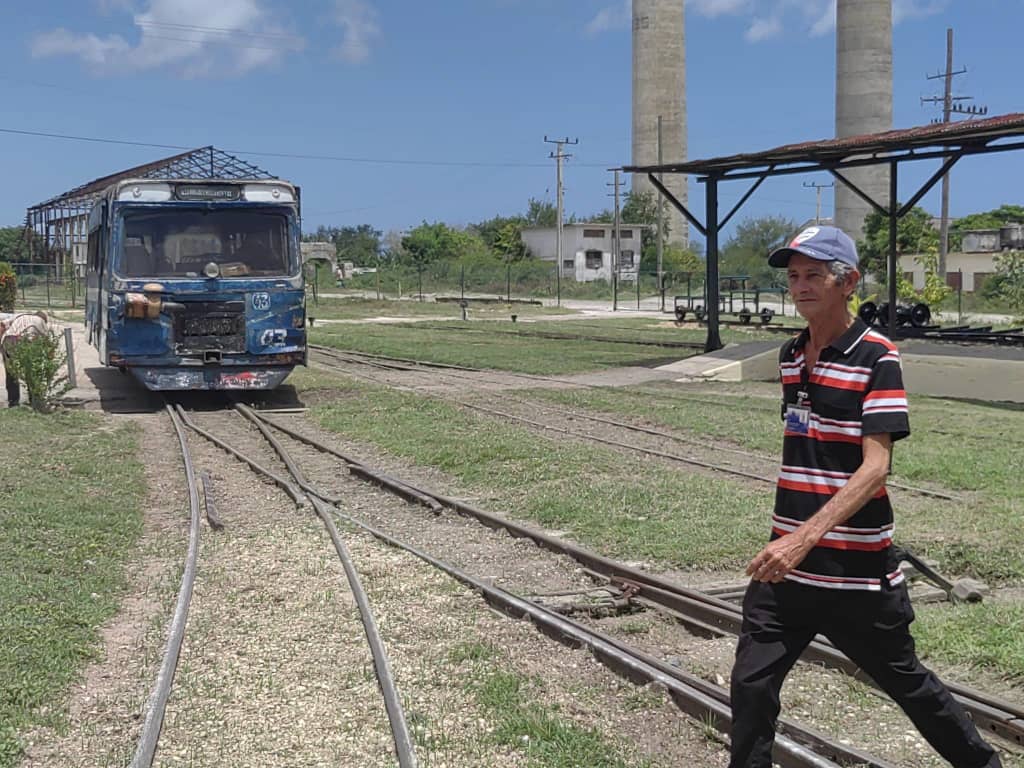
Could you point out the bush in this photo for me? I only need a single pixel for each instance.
(37, 361)
(8, 287)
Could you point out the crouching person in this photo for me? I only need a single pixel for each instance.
(13, 329)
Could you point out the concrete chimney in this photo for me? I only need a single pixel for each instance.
(659, 88)
(863, 99)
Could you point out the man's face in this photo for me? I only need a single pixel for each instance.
(814, 288)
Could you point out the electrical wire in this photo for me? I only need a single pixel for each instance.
(297, 156)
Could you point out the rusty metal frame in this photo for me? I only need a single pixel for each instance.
(946, 142)
(54, 226)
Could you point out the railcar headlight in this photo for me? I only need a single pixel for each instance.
(211, 269)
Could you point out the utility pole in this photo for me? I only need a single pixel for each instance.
(559, 156)
(950, 106)
(661, 231)
(616, 244)
(818, 187)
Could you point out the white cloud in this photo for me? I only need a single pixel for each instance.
(763, 29)
(826, 21)
(613, 17)
(358, 21)
(910, 9)
(712, 8)
(93, 50)
(190, 37)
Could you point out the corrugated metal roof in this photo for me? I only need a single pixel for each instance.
(970, 132)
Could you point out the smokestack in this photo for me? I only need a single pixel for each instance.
(863, 99)
(659, 88)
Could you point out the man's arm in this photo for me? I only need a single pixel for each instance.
(784, 554)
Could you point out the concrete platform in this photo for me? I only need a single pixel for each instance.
(750, 361)
(970, 372)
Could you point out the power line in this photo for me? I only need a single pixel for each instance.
(145, 23)
(290, 155)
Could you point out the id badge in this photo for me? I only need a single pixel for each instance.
(798, 419)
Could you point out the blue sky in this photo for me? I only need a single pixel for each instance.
(470, 86)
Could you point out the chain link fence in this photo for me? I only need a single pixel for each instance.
(49, 286)
(528, 280)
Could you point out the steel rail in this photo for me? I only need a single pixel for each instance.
(293, 492)
(701, 612)
(693, 700)
(156, 705)
(805, 736)
(567, 336)
(404, 747)
(632, 427)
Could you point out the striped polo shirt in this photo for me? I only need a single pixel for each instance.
(855, 389)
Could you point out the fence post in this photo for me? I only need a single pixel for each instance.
(638, 290)
(69, 345)
(960, 298)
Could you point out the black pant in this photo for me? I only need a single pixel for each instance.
(13, 387)
(873, 629)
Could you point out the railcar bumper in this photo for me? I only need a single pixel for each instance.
(210, 377)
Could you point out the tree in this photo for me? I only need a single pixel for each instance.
(1010, 273)
(746, 252)
(541, 213)
(14, 245)
(1001, 216)
(503, 235)
(360, 244)
(914, 234)
(429, 243)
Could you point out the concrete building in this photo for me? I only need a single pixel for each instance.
(588, 250)
(659, 89)
(863, 99)
(966, 270)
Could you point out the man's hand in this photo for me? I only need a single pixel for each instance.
(779, 558)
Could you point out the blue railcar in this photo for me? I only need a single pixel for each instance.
(197, 284)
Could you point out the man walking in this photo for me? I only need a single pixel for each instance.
(829, 567)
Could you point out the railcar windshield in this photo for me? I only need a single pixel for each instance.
(182, 242)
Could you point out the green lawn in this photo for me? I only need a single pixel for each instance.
(358, 308)
(634, 509)
(594, 344)
(625, 507)
(70, 513)
(971, 449)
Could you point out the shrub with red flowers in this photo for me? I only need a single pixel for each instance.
(8, 287)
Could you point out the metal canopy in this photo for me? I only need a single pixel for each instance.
(947, 142)
(57, 224)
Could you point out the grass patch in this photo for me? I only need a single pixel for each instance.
(546, 739)
(963, 447)
(359, 308)
(70, 498)
(622, 506)
(986, 636)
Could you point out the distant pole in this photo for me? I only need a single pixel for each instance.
(950, 106)
(817, 188)
(616, 243)
(661, 223)
(559, 156)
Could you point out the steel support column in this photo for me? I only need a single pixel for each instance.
(714, 340)
(894, 218)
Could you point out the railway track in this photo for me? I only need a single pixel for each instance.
(156, 706)
(703, 614)
(710, 615)
(798, 746)
(464, 374)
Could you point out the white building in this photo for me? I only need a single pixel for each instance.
(588, 249)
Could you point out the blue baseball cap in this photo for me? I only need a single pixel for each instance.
(821, 243)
